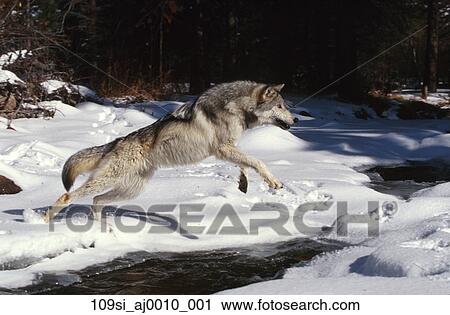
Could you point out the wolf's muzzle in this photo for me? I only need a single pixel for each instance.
(282, 124)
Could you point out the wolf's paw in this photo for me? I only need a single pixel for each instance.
(273, 182)
(33, 217)
(46, 217)
(243, 184)
(64, 199)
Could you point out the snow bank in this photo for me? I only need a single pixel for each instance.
(9, 77)
(404, 259)
(51, 86)
(270, 138)
(11, 57)
(441, 190)
(315, 160)
(441, 97)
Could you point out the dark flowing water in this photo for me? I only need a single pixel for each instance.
(405, 179)
(201, 272)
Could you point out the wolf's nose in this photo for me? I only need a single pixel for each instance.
(295, 120)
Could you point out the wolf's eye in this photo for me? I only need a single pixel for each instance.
(279, 106)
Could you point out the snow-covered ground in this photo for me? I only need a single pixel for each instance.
(10, 58)
(315, 161)
(441, 98)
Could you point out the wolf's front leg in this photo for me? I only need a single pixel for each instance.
(232, 154)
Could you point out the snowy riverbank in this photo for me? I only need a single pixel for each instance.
(315, 161)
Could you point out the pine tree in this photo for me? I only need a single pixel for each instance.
(432, 48)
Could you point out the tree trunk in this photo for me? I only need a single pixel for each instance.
(92, 30)
(161, 46)
(229, 52)
(197, 77)
(324, 32)
(431, 61)
(349, 87)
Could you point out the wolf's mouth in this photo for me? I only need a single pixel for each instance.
(282, 124)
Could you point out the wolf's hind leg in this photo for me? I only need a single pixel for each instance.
(92, 186)
(100, 201)
(127, 189)
(62, 201)
(243, 180)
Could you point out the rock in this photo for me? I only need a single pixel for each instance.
(10, 96)
(8, 102)
(361, 113)
(421, 110)
(305, 113)
(8, 187)
(68, 93)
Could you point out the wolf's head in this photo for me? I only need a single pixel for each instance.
(270, 108)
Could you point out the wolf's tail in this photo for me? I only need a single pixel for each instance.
(83, 161)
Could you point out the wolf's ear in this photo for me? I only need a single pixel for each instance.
(278, 87)
(267, 93)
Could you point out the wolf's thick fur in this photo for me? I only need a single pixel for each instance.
(81, 162)
(209, 126)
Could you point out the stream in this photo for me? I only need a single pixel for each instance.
(405, 179)
(199, 272)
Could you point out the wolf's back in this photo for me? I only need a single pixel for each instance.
(83, 161)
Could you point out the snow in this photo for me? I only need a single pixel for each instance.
(404, 260)
(11, 57)
(440, 98)
(326, 109)
(441, 190)
(53, 85)
(302, 284)
(316, 162)
(49, 85)
(9, 77)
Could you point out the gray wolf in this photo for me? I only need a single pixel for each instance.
(210, 126)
